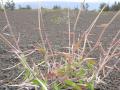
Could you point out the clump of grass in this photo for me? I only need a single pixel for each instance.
(74, 69)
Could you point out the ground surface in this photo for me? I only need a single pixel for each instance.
(55, 26)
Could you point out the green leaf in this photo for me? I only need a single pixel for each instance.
(39, 82)
(81, 72)
(81, 81)
(27, 74)
(35, 82)
(72, 84)
(56, 86)
(90, 86)
(90, 66)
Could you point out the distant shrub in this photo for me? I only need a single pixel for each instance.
(107, 8)
(76, 8)
(27, 7)
(56, 7)
(86, 6)
(10, 5)
(114, 7)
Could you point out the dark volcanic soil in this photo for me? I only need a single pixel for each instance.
(25, 24)
(55, 25)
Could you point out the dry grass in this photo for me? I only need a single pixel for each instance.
(62, 66)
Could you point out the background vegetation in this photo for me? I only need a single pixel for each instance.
(10, 4)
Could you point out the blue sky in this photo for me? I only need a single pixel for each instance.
(93, 4)
(93, 1)
(48, 4)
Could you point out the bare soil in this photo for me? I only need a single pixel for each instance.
(25, 23)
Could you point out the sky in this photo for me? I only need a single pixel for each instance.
(93, 4)
(93, 1)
